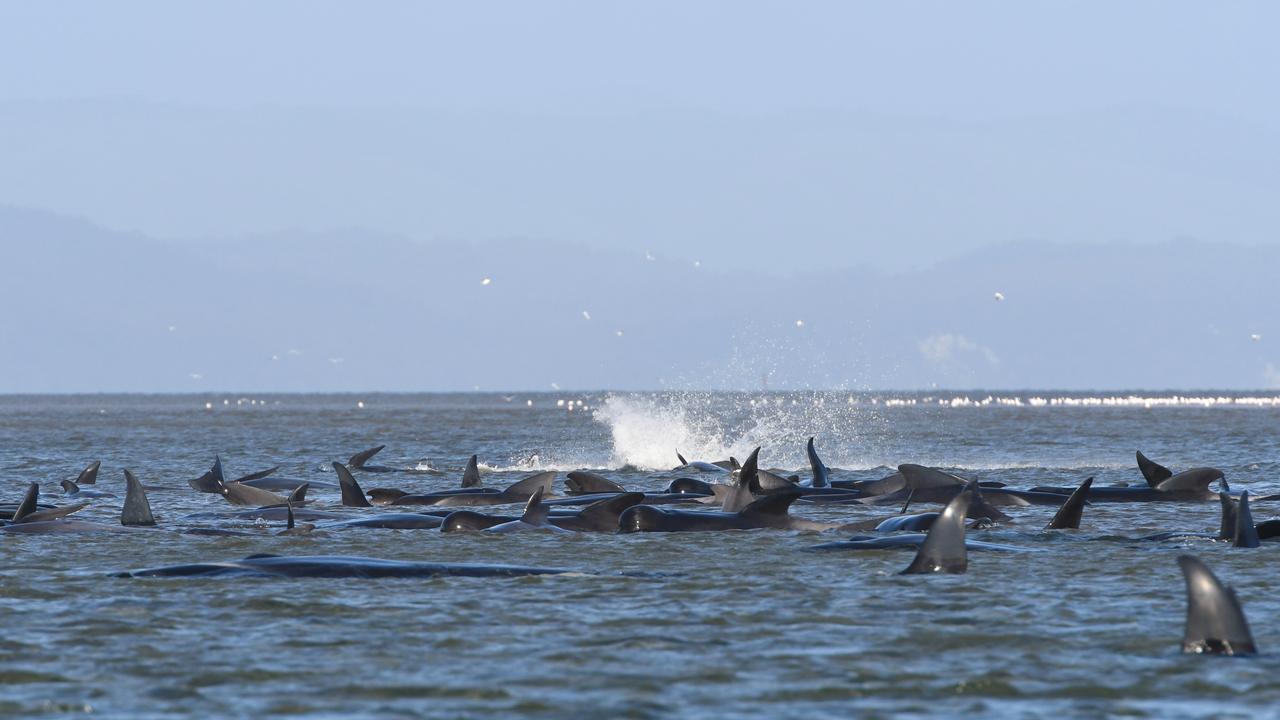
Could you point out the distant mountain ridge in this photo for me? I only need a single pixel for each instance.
(91, 309)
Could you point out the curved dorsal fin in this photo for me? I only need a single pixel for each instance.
(89, 475)
(816, 466)
(288, 506)
(1068, 516)
(137, 510)
(1244, 534)
(535, 512)
(604, 513)
(299, 494)
(1154, 473)
(680, 457)
(69, 487)
(358, 460)
(1227, 527)
(943, 549)
(28, 504)
(352, 495)
(1215, 620)
(471, 476)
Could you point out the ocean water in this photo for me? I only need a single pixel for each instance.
(732, 624)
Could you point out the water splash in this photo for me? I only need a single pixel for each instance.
(647, 429)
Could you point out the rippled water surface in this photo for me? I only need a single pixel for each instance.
(728, 624)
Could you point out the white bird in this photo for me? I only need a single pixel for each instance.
(586, 315)
(999, 296)
(799, 323)
(1255, 337)
(486, 281)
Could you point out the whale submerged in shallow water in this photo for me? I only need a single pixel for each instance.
(337, 566)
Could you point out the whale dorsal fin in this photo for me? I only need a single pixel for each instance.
(69, 487)
(89, 475)
(261, 556)
(739, 495)
(1244, 534)
(528, 486)
(943, 549)
(816, 466)
(1215, 622)
(772, 505)
(1227, 528)
(585, 482)
(299, 494)
(471, 476)
(28, 504)
(352, 495)
(680, 457)
(1155, 473)
(535, 512)
(1193, 480)
(358, 460)
(1068, 516)
(258, 475)
(604, 513)
(137, 509)
(288, 506)
(980, 508)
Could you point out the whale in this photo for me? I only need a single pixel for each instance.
(89, 475)
(945, 553)
(136, 513)
(518, 492)
(944, 549)
(1068, 516)
(30, 510)
(699, 466)
(818, 470)
(241, 494)
(536, 517)
(72, 490)
(335, 566)
(470, 484)
(1162, 485)
(214, 481)
(1215, 623)
(360, 461)
(767, 512)
(600, 516)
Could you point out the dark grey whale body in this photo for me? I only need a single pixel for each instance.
(335, 566)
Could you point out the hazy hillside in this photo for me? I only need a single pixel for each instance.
(87, 309)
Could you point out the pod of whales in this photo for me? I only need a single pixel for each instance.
(741, 497)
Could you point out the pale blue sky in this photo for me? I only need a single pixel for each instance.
(335, 179)
(738, 133)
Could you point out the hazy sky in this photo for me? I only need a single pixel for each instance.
(742, 134)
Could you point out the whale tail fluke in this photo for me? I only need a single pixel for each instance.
(1154, 473)
(358, 460)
